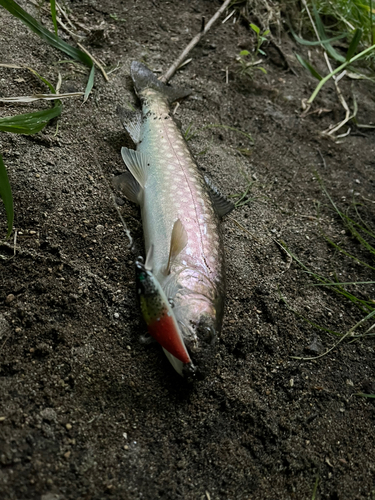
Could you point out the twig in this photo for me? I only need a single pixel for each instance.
(94, 60)
(171, 71)
(244, 229)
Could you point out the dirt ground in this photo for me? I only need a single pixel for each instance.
(86, 410)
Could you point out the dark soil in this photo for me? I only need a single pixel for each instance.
(88, 411)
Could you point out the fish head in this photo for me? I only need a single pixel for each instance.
(197, 319)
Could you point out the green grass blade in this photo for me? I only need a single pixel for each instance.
(354, 43)
(363, 395)
(6, 195)
(323, 36)
(90, 83)
(30, 123)
(44, 33)
(53, 15)
(337, 247)
(302, 41)
(308, 66)
(315, 487)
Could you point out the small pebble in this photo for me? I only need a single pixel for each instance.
(99, 228)
(69, 426)
(67, 455)
(9, 298)
(37, 176)
(116, 315)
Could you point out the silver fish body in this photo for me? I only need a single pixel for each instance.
(172, 188)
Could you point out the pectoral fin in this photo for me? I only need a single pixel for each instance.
(138, 164)
(129, 186)
(179, 239)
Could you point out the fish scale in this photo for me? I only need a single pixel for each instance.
(189, 199)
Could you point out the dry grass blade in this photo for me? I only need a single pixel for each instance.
(38, 97)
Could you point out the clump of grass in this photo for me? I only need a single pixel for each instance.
(349, 15)
(31, 123)
(325, 41)
(52, 38)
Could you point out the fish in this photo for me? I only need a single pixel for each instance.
(181, 212)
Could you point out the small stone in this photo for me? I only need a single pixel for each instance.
(67, 455)
(116, 315)
(9, 298)
(37, 176)
(32, 232)
(68, 427)
(126, 447)
(119, 201)
(49, 415)
(99, 228)
(291, 382)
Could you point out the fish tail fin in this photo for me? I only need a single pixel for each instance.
(143, 78)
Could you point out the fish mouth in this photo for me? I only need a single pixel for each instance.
(200, 340)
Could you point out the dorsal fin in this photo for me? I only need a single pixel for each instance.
(221, 204)
(179, 239)
(138, 164)
(131, 121)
